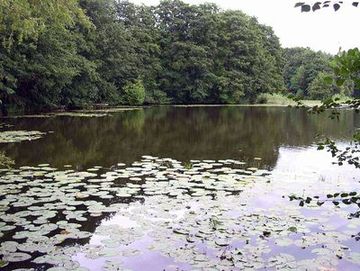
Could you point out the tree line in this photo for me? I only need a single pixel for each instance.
(79, 53)
(306, 75)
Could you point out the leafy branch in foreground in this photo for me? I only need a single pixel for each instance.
(346, 198)
(350, 154)
(306, 7)
(346, 68)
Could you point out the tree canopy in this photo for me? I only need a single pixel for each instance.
(302, 66)
(77, 53)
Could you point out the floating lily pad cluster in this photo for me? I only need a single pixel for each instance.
(81, 114)
(19, 135)
(76, 113)
(203, 215)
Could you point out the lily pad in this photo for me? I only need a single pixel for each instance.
(16, 257)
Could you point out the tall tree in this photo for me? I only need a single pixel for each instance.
(39, 50)
(301, 67)
(78, 53)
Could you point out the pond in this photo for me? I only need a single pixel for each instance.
(178, 188)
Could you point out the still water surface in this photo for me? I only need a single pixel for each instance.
(180, 213)
(181, 133)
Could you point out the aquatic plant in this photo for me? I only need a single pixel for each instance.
(203, 217)
(18, 136)
(5, 162)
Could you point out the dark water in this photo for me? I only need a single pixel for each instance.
(177, 132)
(284, 139)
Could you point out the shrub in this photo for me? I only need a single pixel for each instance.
(320, 89)
(5, 162)
(300, 94)
(157, 97)
(134, 93)
(262, 99)
(341, 98)
(274, 98)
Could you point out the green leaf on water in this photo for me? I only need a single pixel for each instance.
(292, 229)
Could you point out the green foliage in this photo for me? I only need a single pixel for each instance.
(41, 52)
(341, 98)
(346, 66)
(302, 66)
(274, 99)
(24, 20)
(262, 99)
(300, 94)
(134, 93)
(156, 96)
(5, 162)
(298, 80)
(188, 165)
(320, 89)
(74, 54)
(344, 78)
(210, 56)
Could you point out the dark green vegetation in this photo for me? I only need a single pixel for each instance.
(302, 68)
(305, 72)
(78, 53)
(5, 161)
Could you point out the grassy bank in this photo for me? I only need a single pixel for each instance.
(277, 99)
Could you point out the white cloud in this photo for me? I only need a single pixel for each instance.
(324, 29)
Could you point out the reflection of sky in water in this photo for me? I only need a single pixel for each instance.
(146, 260)
(313, 163)
(302, 171)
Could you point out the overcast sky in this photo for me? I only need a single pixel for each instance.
(323, 30)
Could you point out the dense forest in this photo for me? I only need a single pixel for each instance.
(75, 54)
(305, 72)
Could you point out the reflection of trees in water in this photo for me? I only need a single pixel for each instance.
(181, 133)
(134, 121)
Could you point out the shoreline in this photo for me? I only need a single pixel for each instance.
(116, 109)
